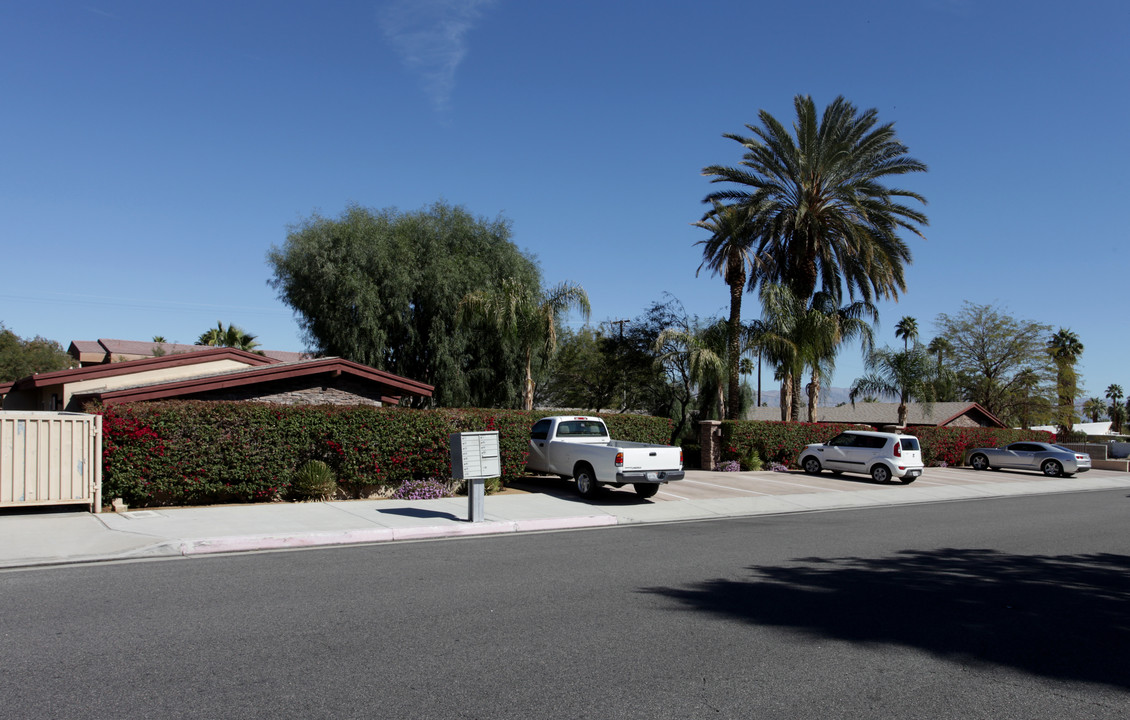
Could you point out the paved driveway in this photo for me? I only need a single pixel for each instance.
(703, 485)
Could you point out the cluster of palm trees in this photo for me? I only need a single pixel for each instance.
(231, 336)
(526, 315)
(1115, 411)
(806, 216)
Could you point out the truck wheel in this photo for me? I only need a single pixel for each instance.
(586, 481)
(646, 490)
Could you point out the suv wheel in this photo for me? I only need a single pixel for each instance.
(811, 465)
(881, 474)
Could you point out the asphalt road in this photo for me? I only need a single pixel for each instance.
(1013, 608)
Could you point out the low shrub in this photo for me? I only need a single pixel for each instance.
(314, 480)
(752, 462)
(730, 466)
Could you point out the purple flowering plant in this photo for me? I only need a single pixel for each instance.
(422, 489)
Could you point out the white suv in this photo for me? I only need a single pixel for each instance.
(878, 454)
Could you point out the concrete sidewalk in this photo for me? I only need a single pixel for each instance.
(50, 538)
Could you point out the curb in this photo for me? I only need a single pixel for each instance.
(247, 543)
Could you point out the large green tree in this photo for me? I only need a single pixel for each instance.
(1001, 362)
(1065, 348)
(702, 350)
(20, 357)
(382, 287)
(520, 312)
(817, 204)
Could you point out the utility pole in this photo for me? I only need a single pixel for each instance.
(621, 324)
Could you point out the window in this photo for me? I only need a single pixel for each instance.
(844, 440)
(540, 430)
(583, 428)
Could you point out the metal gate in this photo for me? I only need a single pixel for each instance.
(50, 458)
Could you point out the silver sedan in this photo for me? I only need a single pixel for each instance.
(1051, 460)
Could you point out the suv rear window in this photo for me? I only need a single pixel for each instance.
(909, 443)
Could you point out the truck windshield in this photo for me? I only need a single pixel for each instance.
(582, 428)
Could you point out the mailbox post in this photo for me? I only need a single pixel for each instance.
(474, 458)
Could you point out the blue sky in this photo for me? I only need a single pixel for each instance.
(151, 153)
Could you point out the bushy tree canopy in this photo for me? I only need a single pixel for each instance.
(20, 357)
(382, 287)
(1001, 362)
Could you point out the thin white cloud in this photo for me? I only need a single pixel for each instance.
(431, 38)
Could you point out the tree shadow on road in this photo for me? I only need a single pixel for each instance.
(1065, 617)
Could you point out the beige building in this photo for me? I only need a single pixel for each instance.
(212, 374)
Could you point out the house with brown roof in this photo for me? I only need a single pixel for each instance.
(941, 414)
(106, 350)
(213, 374)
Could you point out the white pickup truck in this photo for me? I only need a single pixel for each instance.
(579, 447)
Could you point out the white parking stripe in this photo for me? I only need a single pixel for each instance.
(799, 484)
(723, 487)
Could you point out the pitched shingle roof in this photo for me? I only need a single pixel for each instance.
(109, 347)
(938, 414)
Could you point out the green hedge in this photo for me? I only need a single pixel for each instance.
(186, 453)
(782, 441)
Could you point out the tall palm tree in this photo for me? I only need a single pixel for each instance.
(703, 350)
(231, 336)
(1065, 349)
(943, 386)
(1094, 408)
(526, 315)
(818, 208)
(727, 253)
(907, 331)
(940, 348)
(1116, 414)
(904, 374)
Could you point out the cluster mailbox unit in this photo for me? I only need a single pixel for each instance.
(474, 458)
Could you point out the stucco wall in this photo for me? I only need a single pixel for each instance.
(114, 382)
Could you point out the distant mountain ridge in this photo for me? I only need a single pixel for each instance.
(829, 397)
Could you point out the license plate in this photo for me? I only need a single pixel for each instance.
(913, 473)
(652, 476)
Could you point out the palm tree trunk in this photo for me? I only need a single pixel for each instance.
(759, 377)
(528, 393)
(734, 349)
(796, 379)
(813, 396)
(902, 412)
(786, 398)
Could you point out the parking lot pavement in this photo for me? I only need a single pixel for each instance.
(701, 485)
